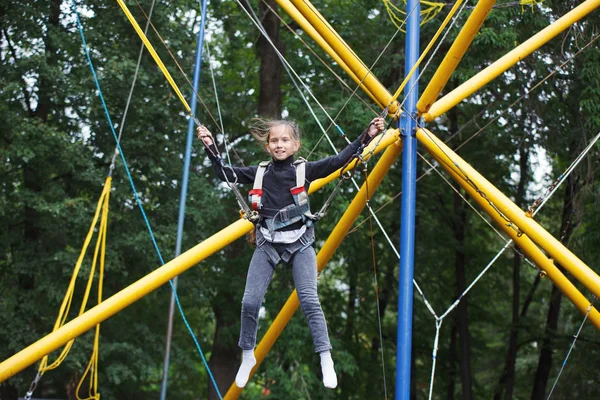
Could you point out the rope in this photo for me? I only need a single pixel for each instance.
(190, 84)
(336, 75)
(135, 75)
(571, 348)
(135, 192)
(154, 55)
(427, 14)
(233, 185)
(372, 235)
(102, 214)
(286, 64)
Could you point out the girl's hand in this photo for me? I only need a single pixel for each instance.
(204, 135)
(376, 126)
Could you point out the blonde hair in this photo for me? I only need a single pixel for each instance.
(260, 128)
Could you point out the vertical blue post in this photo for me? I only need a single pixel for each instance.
(183, 195)
(407, 127)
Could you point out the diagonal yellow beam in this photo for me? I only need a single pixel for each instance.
(344, 51)
(510, 59)
(331, 244)
(293, 12)
(503, 204)
(523, 241)
(147, 284)
(455, 54)
(151, 50)
(122, 299)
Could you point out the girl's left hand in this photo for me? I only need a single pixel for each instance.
(376, 126)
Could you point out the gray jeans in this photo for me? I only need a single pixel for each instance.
(301, 255)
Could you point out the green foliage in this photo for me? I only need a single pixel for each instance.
(56, 148)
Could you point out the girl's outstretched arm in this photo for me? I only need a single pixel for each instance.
(322, 168)
(224, 172)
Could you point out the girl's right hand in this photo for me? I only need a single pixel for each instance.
(204, 135)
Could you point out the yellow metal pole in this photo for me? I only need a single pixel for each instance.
(510, 59)
(333, 241)
(312, 32)
(344, 51)
(150, 48)
(528, 247)
(455, 54)
(122, 299)
(529, 226)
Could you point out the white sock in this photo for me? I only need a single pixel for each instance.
(329, 376)
(248, 362)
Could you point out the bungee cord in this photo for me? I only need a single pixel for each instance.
(307, 46)
(135, 193)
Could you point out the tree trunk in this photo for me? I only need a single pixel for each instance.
(225, 360)
(269, 98)
(542, 373)
(507, 380)
(46, 84)
(462, 319)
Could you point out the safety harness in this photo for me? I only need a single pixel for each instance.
(299, 211)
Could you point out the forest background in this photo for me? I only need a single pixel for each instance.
(506, 339)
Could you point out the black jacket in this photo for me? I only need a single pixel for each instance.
(280, 177)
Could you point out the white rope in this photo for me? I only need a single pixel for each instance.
(571, 349)
(212, 74)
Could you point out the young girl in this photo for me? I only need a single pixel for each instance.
(285, 231)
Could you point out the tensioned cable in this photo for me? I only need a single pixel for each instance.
(509, 243)
(479, 114)
(135, 193)
(529, 91)
(178, 66)
(135, 75)
(572, 346)
(220, 125)
(369, 70)
(285, 62)
(233, 185)
(212, 74)
(335, 74)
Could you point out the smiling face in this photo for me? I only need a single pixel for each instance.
(281, 144)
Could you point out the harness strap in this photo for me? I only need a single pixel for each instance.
(256, 193)
(299, 192)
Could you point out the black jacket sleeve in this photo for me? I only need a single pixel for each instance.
(322, 168)
(226, 172)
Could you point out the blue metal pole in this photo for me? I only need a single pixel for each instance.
(183, 195)
(408, 126)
